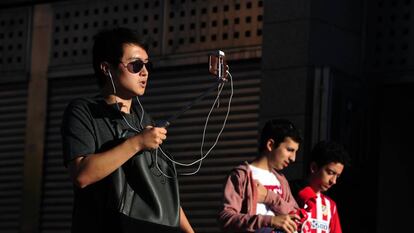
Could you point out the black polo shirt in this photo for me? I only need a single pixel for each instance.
(136, 197)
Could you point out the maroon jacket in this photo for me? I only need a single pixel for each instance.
(238, 213)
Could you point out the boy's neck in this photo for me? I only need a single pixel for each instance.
(313, 186)
(123, 104)
(261, 162)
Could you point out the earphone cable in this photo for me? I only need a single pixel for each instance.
(204, 133)
(202, 157)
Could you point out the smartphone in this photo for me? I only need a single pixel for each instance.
(217, 64)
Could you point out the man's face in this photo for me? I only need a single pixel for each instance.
(284, 154)
(132, 84)
(324, 178)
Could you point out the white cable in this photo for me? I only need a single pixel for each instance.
(204, 132)
(201, 154)
(202, 157)
(158, 167)
(112, 81)
(142, 110)
(219, 134)
(117, 105)
(204, 129)
(184, 164)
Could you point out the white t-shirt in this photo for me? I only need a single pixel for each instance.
(269, 180)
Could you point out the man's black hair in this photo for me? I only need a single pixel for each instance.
(278, 130)
(325, 152)
(108, 47)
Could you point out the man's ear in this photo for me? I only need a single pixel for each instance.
(105, 68)
(313, 167)
(270, 144)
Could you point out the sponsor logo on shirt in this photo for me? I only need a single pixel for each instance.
(315, 224)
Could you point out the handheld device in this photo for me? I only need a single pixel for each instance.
(217, 65)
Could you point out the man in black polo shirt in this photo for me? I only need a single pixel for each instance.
(109, 144)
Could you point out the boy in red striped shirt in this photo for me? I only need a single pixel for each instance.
(327, 162)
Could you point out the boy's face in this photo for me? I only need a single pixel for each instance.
(325, 177)
(284, 154)
(131, 84)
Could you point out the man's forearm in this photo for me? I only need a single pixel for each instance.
(185, 225)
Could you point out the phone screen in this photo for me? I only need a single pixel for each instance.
(213, 64)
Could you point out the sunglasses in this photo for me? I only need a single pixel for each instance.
(137, 65)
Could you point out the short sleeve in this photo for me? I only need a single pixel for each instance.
(78, 137)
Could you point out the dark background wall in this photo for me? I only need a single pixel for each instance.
(340, 70)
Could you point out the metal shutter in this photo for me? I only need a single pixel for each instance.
(14, 37)
(13, 97)
(56, 208)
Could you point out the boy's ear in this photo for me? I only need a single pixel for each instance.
(105, 68)
(313, 167)
(270, 144)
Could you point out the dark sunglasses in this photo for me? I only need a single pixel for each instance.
(137, 65)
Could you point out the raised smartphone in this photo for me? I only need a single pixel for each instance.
(217, 64)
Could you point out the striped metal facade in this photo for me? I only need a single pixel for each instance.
(14, 38)
(56, 208)
(13, 97)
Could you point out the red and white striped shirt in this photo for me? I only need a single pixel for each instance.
(324, 218)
